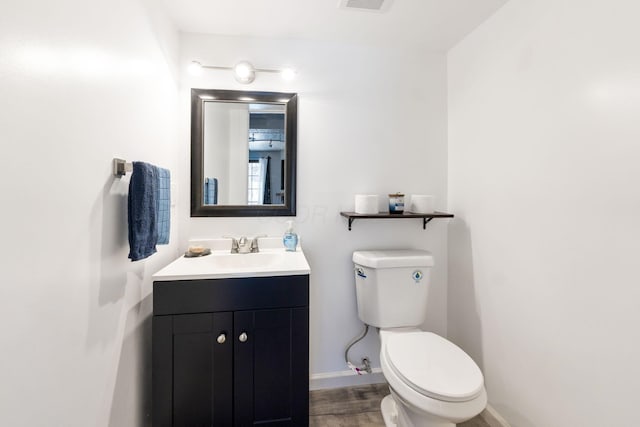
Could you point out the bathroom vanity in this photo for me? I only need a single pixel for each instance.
(231, 340)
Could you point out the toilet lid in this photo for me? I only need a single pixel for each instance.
(433, 366)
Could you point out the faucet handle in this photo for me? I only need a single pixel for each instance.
(254, 243)
(234, 243)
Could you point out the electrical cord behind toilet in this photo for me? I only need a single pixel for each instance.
(366, 365)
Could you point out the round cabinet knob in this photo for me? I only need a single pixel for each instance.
(221, 338)
(243, 337)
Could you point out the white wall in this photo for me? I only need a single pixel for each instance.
(80, 83)
(544, 100)
(370, 120)
(238, 154)
(216, 140)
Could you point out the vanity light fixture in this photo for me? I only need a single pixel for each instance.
(244, 71)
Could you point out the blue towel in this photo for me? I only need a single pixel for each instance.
(143, 226)
(211, 191)
(163, 206)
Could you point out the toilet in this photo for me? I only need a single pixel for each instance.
(433, 382)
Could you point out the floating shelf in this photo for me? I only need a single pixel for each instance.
(352, 216)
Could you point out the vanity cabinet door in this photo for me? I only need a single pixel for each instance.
(193, 368)
(271, 370)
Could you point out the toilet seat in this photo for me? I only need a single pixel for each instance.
(433, 366)
(404, 394)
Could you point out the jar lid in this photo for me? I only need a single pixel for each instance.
(396, 195)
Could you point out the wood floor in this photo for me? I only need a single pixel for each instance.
(355, 406)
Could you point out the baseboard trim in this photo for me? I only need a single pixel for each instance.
(493, 418)
(344, 378)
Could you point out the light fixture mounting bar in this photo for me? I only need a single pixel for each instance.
(262, 70)
(214, 67)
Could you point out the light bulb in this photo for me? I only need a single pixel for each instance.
(288, 73)
(195, 68)
(245, 72)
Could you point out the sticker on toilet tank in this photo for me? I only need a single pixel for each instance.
(360, 273)
(417, 276)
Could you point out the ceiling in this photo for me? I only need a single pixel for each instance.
(433, 24)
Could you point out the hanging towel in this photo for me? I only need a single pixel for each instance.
(163, 206)
(143, 226)
(211, 191)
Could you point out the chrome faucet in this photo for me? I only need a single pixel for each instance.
(244, 245)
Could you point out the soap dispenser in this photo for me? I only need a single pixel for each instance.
(290, 238)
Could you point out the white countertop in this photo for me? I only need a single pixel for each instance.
(272, 260)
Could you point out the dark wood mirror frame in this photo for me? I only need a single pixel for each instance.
(198, 98)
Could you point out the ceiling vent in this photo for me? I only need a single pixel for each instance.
(366, 5)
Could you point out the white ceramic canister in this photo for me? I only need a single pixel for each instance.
(366, 203)
(396, 203)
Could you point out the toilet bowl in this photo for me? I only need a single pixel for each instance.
(433, 382)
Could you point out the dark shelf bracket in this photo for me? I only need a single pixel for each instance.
(351, 219)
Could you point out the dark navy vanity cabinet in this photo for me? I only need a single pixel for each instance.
(231, 352)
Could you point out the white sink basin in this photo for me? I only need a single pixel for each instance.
(270, 261)
(255, 261)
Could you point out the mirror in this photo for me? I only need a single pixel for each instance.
(243, 153)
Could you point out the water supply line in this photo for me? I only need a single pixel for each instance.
(366, 365)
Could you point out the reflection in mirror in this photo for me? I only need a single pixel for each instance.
(243, 153)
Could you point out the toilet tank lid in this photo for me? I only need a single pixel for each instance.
(393, 258)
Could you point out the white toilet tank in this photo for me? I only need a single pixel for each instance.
(392, 286)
